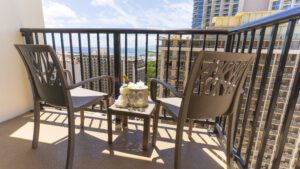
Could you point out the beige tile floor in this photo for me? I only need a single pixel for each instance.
(92, 150)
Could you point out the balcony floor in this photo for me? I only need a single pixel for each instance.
(92, 150)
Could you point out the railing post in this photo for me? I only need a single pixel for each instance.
(117, 63)
(28, 37)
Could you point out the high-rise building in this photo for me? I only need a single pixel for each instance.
(95, 69)
(283, 4)
(291, 150)
(205, 10)
(197, 14)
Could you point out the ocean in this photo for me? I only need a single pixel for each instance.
(130, 51)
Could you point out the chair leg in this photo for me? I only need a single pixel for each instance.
(36, 129)
(71, 140)
(178, 144)
(82, 119)
(229, 142)
(107, 103)
(155, 124)
(191, 125)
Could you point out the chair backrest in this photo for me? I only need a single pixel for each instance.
(46, 73)
(215, 84)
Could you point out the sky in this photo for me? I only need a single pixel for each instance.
(160, 14)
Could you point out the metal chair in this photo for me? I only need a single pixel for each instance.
(50, 83)
(213, 89)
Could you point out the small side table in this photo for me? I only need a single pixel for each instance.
(144, 113)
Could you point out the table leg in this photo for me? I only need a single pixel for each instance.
(146, 133)
(109, 127)
(125, 122)
(155, 124)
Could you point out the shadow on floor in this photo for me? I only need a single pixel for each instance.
(92, 150)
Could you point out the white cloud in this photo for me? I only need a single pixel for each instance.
(59, 15)
(168, 15)
(102, 2)
(122, 17)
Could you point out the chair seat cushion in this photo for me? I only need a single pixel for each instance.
(172, 105)
(85, 97)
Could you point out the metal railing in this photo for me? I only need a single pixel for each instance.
(115, 44)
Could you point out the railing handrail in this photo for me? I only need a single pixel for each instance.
(124, 30)
(280, 17)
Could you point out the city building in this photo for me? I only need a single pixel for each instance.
(197, 14)
(205, 10)
(96, 70)
(291, 150)
(283, 4)
(169, 65)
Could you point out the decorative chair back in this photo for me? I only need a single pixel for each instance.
(46, 73)
(215, 84)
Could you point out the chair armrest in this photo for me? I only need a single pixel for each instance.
(153, 88)
(69, 75)
(109, 78)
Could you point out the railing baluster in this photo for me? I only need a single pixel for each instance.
(126, 53)
(204, 42)
(53, 41)
(136, 58)
(99, 61)
(80, 56)
(72, 57)
(36, 38)
(263, 83)
(45, 38)
(261, 93)
(228, 43)
(63, 50)
(217, 42)
(178, 62)
(191, 52)
(90, 60)
(108, 54)
(167, 65)
(117, 63)
(244, 42)
(232, 43)
(251, 40)
(156, 61)
(238, 43)
(146, 59)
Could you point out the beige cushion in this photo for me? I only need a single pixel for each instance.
(172, 105)
(85, 97)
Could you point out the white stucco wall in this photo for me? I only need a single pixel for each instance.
(15, 91)
(253, 5)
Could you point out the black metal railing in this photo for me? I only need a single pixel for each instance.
(154, 48)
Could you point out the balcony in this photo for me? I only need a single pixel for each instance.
(92, 149)
(260, 101)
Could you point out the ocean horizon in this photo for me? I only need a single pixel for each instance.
(130, 51)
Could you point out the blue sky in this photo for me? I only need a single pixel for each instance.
(163, 14)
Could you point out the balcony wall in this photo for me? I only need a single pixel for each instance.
(15, 93)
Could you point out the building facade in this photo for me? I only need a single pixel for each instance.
(205, 10)
(197, 14)
(283, 4)
(84, 70)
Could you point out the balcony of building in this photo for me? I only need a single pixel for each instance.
(268, 115)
